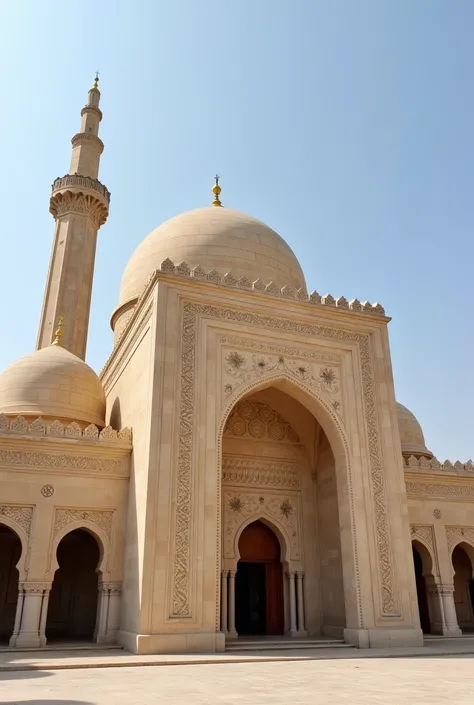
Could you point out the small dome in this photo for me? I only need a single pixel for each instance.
(411, 434)
(214, 238)
(53, 383)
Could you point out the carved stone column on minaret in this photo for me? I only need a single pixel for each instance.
(80, 205)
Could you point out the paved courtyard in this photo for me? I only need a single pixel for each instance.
(388, 681)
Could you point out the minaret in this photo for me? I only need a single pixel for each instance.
(80, 205)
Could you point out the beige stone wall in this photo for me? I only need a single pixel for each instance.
(52, 486)
(128, 385)
(332, 591)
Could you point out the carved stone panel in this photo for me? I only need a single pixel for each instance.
(22, 516)
(184, 511)
(458, 534)
(238, 470)
(101, 519)
(284, 510)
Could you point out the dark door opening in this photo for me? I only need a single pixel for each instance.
(10, 552)
(259, 583)
(421, 593)
(73, 601)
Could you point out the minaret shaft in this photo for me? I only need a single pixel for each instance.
(79, 204)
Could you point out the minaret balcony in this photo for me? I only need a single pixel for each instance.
(80, 194)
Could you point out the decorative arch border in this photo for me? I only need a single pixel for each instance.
(24, 540)
(182, 519)
(458, 535)
(272, 524)
(424, 535)
(105, 549)
(425, 553)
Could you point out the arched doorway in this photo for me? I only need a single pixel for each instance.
(463, 588)
(73, 600)
(421, 592)
(10, 552)
(259, 582)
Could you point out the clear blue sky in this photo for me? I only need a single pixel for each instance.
(346, 125)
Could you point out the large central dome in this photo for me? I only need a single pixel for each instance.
(214, 238)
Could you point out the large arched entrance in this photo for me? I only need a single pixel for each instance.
(259, 582)
(463, 588)
(278, 466)
(73, 600)
(419, 560)
(10, 552)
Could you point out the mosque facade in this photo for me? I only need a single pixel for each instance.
(239, 469)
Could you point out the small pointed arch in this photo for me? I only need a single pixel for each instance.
(467, 546)
(273, 525)
(103, 543)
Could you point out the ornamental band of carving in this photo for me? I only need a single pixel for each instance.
(183, 518)
(101, 519)
(22, 516)
(260, 471)
(61, 462)
(440, 491)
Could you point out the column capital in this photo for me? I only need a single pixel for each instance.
(34, 588)
(225, 572)
(110, 587)
(233, 572)
(300, 574)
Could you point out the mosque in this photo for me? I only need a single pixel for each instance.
(240, 469)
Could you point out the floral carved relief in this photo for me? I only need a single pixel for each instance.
(241, 367)
(101, 519)
(238, 470)
(256, 420)
(22, 516)
(283, 510)
(183, 511)
(458, 534)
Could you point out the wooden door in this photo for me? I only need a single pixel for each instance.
(274, 594)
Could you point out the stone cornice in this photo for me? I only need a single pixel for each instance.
(326, 306)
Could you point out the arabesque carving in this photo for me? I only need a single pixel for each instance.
(22, 516)
(238, 470)
(238, 508)
(458, 534)
(183, 510)
(100, 518)
(425, 533)
(441, 490)
(257, 420)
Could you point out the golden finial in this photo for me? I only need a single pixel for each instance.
(216, 191)
(59, 331)
(96, 81)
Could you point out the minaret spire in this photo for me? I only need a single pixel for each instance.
(80, 205)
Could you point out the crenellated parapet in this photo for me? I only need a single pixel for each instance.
(20, 426)
(288, 292)
(458, 468)
(74, 193)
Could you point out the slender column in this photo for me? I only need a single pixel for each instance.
(232, 632)
(18, 614)
(224, 621)
(300, 603)
(291, 579)
(108, 613)
(435, 605)
(44, 615)
(450, 617)
(29, 633)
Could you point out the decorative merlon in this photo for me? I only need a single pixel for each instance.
(19, 426)
(215, 277)
(413, 463)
